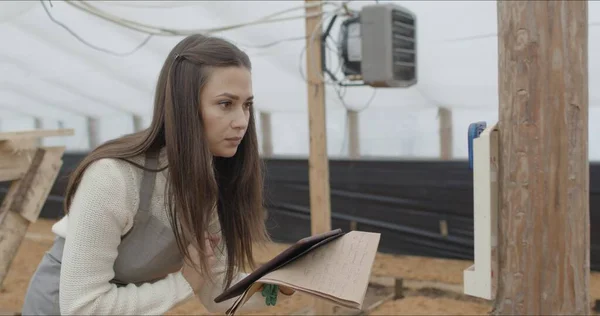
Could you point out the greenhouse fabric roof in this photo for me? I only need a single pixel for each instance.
(65, 62)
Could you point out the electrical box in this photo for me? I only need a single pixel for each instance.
(480, 280)
(379, 46)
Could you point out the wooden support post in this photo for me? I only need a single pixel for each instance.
(398, 288)
(33, 172)
(38, 125)
(544, 230)
(267, 137)
(445, 123)
(93, 139)
(138, 123)
(353, 134)
(320, 207)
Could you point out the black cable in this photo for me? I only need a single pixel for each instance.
(89, 44)
(339, 86)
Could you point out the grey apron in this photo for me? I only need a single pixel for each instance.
(148, 252)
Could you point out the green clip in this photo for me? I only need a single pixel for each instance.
(269, 292)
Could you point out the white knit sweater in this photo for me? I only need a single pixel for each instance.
(102, 211)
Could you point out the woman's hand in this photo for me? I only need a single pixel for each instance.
(271, 291)
(283, 289)
(286, 290)
(193, 277)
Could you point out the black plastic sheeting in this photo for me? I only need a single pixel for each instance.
(405, 201)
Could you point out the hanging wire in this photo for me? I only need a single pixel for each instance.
(82, 40)
(161, 31)
(338, 88)
(164, 31)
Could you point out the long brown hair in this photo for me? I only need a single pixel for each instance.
(197, 182)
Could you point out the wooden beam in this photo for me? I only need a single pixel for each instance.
(14, 160)
(353, 134)
(267, 137)
(19, 135)
(17, 150)
(544, 230)
(445, 123)
(23, 202)
(320, 207)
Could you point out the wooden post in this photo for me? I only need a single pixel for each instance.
(353, 134)
(267, 137)
(32, 171)
(137, 123)
(93, 139)
(445, 123)
(320, 207)
(38, 125)
(544, 232)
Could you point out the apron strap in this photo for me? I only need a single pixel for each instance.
(148, 181)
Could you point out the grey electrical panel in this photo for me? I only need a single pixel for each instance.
(379, 46)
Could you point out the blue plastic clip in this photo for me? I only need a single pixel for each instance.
(475, 129)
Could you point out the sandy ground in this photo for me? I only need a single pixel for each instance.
(432, 285)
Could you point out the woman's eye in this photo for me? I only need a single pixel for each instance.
(225, 103)
(249, 104)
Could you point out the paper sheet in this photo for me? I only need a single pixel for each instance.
(340, 269)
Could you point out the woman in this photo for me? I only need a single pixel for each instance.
(188, 187)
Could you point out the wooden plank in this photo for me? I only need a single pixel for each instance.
(13, 173)
(15, 158)
(18, 135)
(544, 231)
(22, 204)
(320, 205)
(15, 201)
(42, 184)
(18, 188)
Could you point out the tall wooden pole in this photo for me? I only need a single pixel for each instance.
(320, 208)
(318, 163)
(544, 237)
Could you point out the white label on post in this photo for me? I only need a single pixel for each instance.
(480, 280)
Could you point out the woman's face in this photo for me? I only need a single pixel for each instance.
(225, 104)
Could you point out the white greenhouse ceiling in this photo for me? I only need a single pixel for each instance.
(79, 59)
